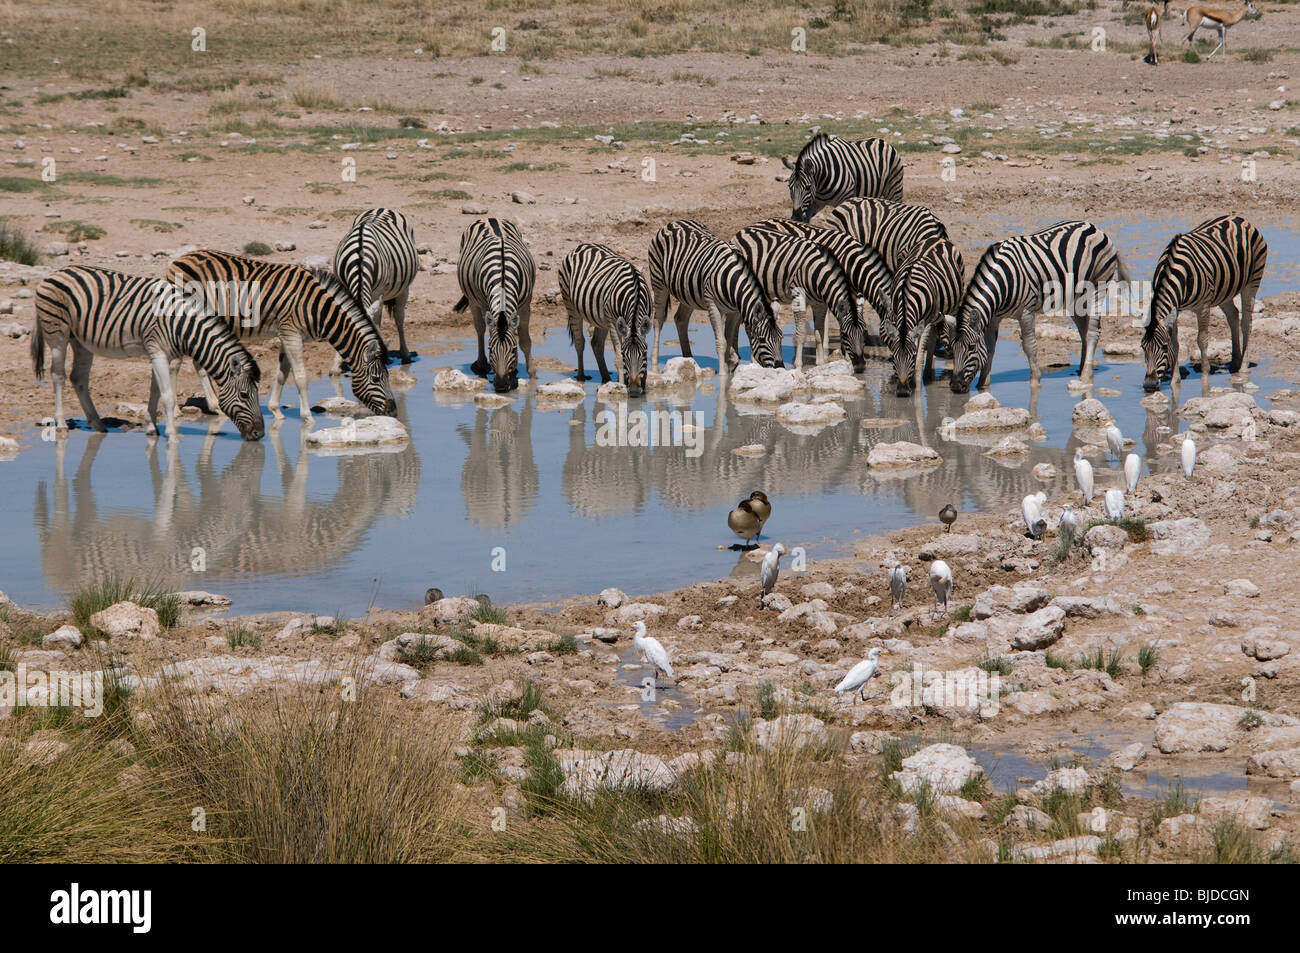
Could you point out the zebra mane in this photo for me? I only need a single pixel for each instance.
(1158, 281)
(813, 144)
(334, 286)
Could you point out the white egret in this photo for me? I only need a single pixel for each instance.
(1132, 470)
(1083, 473)
(948, 516)
(898, 584)
(651, 650)
(860, 674)
(1189, 455)
(770, 569)
(1115, 440)
(1031, 508)
(1067, 527)
(941, 582)
(1114, 504)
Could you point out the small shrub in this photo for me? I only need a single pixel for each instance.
(258, 249)
(15, 246)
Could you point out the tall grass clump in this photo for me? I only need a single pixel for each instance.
(15, 246)
(113, 589)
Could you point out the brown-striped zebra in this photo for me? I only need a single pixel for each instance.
(377, 261)
(262, 299)
(111, 314)
(601, 287)
(1198, 270)
(496, 274)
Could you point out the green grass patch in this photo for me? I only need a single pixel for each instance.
(15, 246)
(258, 249)
(113, 589)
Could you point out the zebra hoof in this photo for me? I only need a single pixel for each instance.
(480, 368)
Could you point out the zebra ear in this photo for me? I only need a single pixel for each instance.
(785, 161)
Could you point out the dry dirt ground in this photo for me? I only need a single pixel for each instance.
(1044, 132)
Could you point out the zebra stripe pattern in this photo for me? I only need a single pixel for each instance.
(1199, 270)
(601, 287)
(262, 299)
(496, 274)
(1066, 265)
(107, 313)
(377, 261)
(892, 228)
(871, 281)
(927, 286)
(830, 170)
(790, 268)
(688, 262)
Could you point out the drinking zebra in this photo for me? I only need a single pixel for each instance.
(803, 273)
(829, 170)
(892, 228)
(1198, 270)
(602, 287)
(1066, 265)
(927, 286)
(871, 281)
(262, 299)
(376, 260)
(496, 274)
(110, 314)
(688, 262)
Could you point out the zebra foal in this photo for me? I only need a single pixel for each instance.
(111, 314)
(829, 170)
(1067, 264)
(691, 264)
(496, 274)
(602, 288)
(1198, 270)
(376, 260)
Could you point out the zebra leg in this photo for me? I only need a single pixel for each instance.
(726, 350)
(209, 392)
(291, 347)
(161, 386)
(283, 371)
(397, 308)
(800, 335)
(525, 339)
(990, 344)
(1030, 345)
(58, 374)
(335, 375)
(578, 341)
(660, 316)
(1247, 318)
(822, 327)
(683, 321)
(1233, 316)
(82, 358)
(480, 366)
(598, 335)
(1203, 341)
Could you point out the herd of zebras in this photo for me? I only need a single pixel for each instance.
(874, 250)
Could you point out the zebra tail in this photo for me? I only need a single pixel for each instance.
(1121, 269)
(462, 304)
(38, 349)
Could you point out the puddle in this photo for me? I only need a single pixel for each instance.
(669, 707)
(276, 527)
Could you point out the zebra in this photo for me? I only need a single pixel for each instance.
(793, 269)
(111, 314)
(829, 170)
(377, 262)
(262, 299)
(871, 280)
(496, 274)
(1198, 270)
(927, 286)
(688, 262)
(602, 287)
(1067, 264)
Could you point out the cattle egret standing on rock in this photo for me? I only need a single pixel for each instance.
(898, 584)
(1115, 441)
(1189, 455)
(1031, 508)
(941, 582)
(948, 516)
(651, 650)
(1114, 504)
(1132, 469)
(860, 674)
(1083, 473)
(770, 569)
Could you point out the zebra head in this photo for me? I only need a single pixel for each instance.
(969, 351)
(357, 340)
(503, 344)
(370, 379)
(236, 385)
(1158, 342)
(909, 308)
(762, 331)
(803, 192)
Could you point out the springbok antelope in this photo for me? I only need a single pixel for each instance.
(1215, 18)
(1155, 20)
